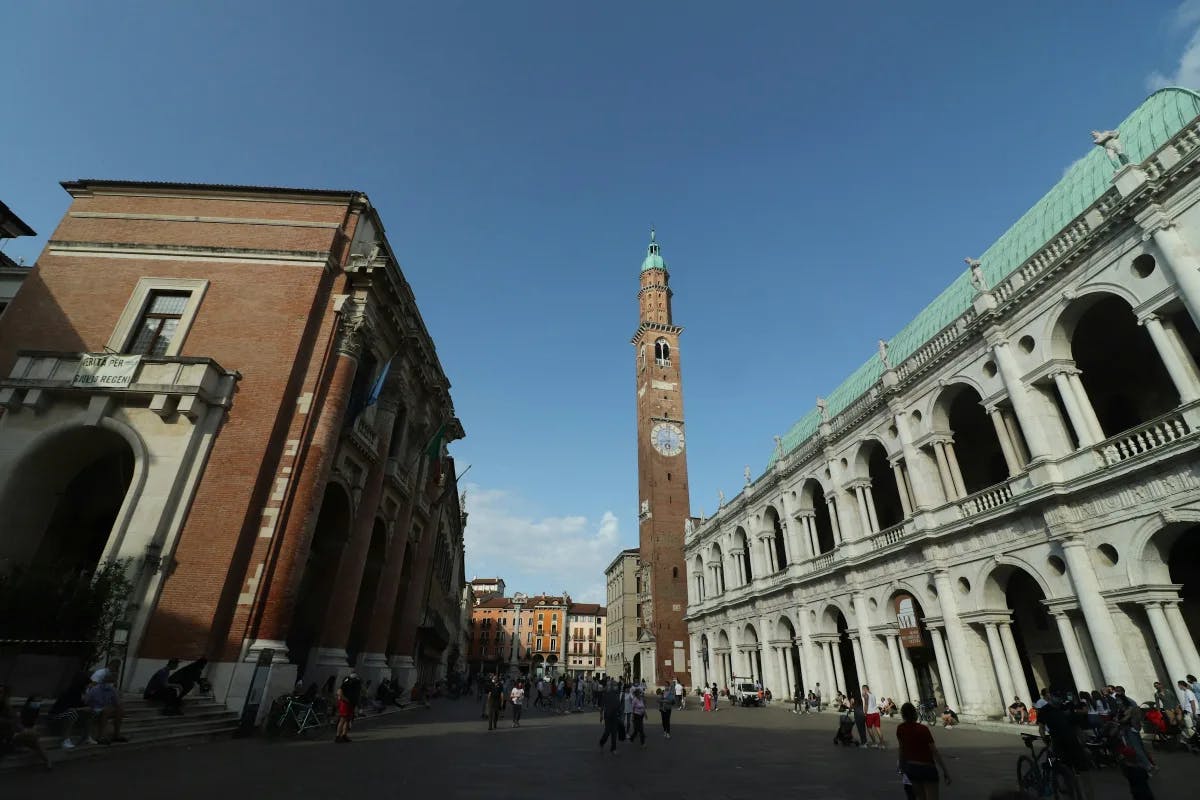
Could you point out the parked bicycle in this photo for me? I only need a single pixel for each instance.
(291, 715)
(929, 715)
(1041, 774)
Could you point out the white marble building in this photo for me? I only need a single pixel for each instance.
(1020, 460)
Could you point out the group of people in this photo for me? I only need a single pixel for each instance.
(623, 710)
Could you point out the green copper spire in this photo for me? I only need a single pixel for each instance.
(654, 259)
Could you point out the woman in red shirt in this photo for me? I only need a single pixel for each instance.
(918, 755)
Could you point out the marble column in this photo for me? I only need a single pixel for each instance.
(899, 690)
(1180, 375)
(829, 673)
(1095, 611)
(1018, 395)
(1183, 636)
(1085, 406)
(1079, 670)
(955, 471)
(863, 514)
(810, 533)
(1000, 662)
(1175, 256)
(859, 665)
(944, 670)
(835, 652)
(902, 485)
(834, 522)
(805, 647)
(971, 698)
(948, 487)
(871, 512)
(873, 670)
(923, 494)
(1083, 431)
(1006, 444)
(1020, 684)
(910, 677)
(1173, 659)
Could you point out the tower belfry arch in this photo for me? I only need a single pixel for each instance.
(662, 471)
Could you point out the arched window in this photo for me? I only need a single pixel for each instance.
(662, 353)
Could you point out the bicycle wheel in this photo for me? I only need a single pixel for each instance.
(1066, 785)
(1029, 777)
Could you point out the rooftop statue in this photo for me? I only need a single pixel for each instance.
(977, 278)
(823, 407)
(883, 354)
(778, 447)
(689, 528)
(720, 499)
(1111, 142)
(746, 472)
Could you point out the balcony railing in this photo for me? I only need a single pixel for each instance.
(1151, 436)
(887, 536)
(986, 500)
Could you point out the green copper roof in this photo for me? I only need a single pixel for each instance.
(654, 259)
(1159, 117)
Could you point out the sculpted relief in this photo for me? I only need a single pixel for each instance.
(1147, 491)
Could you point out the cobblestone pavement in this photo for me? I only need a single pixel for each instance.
(448, 752)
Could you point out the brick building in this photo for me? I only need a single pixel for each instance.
(12, 274)
(261, 432)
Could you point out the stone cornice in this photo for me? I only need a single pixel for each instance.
(657, 327)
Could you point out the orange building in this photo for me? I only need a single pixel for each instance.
(524, 632)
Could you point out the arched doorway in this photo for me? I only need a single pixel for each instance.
(975, 449)
(884, 501)
(698, 579)
(1122, 373)
(368, 587)
(845, 671)
(742, 542)
(717, 559)
(320, 573)
(636, 667)
(918, 661)
(1172, 556)
(752, 652)
(791, 675)
(61, 507)
(1044, 662)
(819, 525)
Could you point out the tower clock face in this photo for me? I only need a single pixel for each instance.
(667, 438)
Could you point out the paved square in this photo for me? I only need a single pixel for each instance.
(448, 752)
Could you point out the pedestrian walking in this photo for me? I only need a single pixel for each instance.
(681, 695)
(611, 704)
(517, 696)
(918, 757)
(716, 695)
(348, 695)
(708, 698)
(665, 704)
(872, 718)
(627, 708)
(495, 690)
(638, 715)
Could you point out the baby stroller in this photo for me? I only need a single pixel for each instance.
(1168, 735)
(845, 729)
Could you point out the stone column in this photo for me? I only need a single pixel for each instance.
(1010, 374)
(972, 697)
(804, 645)
(863, 514)
(1006, 444)
(344, 601)
(860, 665)
(1000, 661)
(828, 674)
(275, 613)
(923, 495)
(955, 471)
(944, 670)
(900, 689)
(1183, 636)
(758, 560)
(1173, 659)
(948, 486)
(910, 676)
(1020, 685)
(791, 541)
(1095, 611)
(806, 527)
(870, 663)
(1079, 670)
(1015, 437)
(835, 654)
(1179, 373)
(831, 500)
(871, 512)
(902, 485)
(738, 567)
(1083, 431)
(1085, 406)
(1176, 257)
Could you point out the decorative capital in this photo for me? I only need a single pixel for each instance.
(352, 333)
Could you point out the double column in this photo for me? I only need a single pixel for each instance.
(948, 469)
(1079, 407)
(945, 670)
(1018, 395)
(1095, 610)
(1172, 653)
(900, 690)
(866, 507)
(1008, 444)
(834, 521)
(1176, 257)
(1080, 673)
(923, 494)
(1000, 664)
(959, 649)
(807, 522)
(1179, 365)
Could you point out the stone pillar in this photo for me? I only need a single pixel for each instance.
(944, 670)
(902, 485)
(873, 670)
(758, 560)
(971, 698)
(923, 495)
(1095, 611)
(806, 525)
(955, 470)
(1173, 659)
(1014, 436)
(1183, 636)
(899, 688)
(1000, 662)
(1083, 431)
(1020, 685)
(1079, 670)
(1180, 375)
(1085, 406)
(791, 541)
(859, 664)
(1010, 374)
(343, 604)
(863, 514)
(871, 512)
(275, 613)
(831, 500)
(1006, 444)
(738, 567)
(835, 654)
(948, 486)
(910, 677)
(804, 645)
(1176, 257)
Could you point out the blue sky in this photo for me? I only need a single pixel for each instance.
(816, 175)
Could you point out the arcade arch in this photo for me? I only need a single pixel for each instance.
(320, 573)
(779, 547)
(815, 518)
(880, 498)
(971, 453)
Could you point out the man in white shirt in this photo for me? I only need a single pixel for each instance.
(680, 696)
(517, 698)
(1187, 704)
(871, 710)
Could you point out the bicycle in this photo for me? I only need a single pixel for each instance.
(296, 717)
(1042, 774)
(928, 714)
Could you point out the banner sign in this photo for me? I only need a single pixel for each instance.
(106, 370)
(906, 618)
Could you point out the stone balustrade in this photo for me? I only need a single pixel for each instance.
(1151, 436)
(986, 500)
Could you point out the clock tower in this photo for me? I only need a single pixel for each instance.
(663, 507)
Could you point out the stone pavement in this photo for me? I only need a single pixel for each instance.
(447, 751)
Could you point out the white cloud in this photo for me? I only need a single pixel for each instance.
(1187, 74)
(549, 554)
